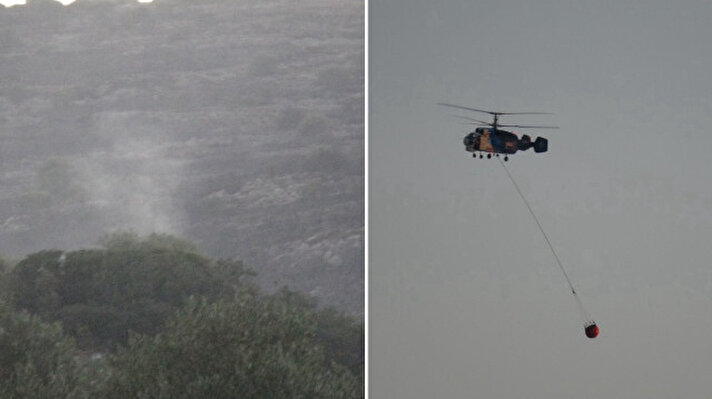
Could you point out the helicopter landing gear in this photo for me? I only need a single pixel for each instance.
(474, 155)
(506, 158)
(489, 156)
(480, 155)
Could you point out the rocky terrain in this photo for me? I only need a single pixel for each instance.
(238, 125)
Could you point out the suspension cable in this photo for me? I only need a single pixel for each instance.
(558, 261)
(590, 327)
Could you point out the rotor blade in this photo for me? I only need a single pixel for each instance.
(530, 127)
(473, 120)
(469, 109)
(493, 112)
(524, 113)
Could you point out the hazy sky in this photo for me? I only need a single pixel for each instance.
(466, 300)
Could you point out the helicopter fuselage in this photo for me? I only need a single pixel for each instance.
(497, 141)
(491, 141)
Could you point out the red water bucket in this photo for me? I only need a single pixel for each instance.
(591, 330)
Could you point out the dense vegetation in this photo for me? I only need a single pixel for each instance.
(153, 317)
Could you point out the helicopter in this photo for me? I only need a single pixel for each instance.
(494, 140)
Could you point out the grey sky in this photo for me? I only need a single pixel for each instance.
(465, 297)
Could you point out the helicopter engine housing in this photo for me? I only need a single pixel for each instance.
(524, 143)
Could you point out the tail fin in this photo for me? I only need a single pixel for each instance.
(541, 144)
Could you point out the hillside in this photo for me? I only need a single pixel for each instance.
(235, 124)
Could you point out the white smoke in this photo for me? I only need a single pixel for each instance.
(133, 179)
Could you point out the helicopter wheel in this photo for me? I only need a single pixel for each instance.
(506, 158)
(474, 155)
(489, 156)
(480, 155)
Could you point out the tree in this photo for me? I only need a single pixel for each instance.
(341, 335)
(35, 282)
(36, 359)
(4, 279)
(133, 284)
(246, 348)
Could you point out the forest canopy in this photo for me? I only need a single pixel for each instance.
(153, 317)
